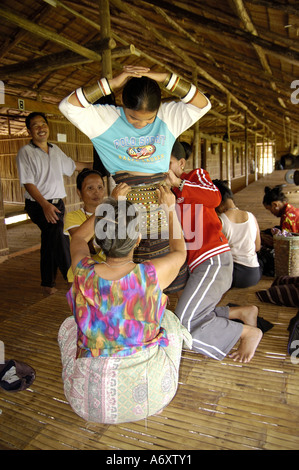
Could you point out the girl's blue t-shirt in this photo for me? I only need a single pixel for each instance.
(123, 147)
(127, 148)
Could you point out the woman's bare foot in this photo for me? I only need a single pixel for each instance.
(247, 314)
(49, 290)
(249, 341)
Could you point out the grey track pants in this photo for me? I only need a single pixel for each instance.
(213, 334)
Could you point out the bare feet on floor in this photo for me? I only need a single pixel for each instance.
(247, 314)
(249, 341)
(49, 290)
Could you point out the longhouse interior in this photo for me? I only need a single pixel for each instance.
(244, 55)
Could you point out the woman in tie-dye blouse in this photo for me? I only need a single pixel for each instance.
(121, 348)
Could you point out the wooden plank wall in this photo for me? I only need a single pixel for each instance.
(3, 235)
(11, 188)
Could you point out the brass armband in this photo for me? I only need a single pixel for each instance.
(184, 90)
(94, 92)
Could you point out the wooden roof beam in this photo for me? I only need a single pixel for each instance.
(222, 29)
(21, 34)
(290, 9)
(180, 53)
(59, 60)
(249, 26)
(46, 33)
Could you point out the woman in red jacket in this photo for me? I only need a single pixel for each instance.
(210, 264)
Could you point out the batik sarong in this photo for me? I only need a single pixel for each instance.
(122, 388)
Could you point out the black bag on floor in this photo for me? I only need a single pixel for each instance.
(15, 376)
(293, 328)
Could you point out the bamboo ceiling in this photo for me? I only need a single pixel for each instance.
(243, 54)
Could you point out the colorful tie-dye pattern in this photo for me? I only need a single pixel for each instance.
(290, 219)
(117, 318)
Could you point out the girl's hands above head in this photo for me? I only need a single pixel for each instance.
(135, 70)
(157, 76)
(129, 71)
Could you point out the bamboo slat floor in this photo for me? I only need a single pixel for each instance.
(219, 405)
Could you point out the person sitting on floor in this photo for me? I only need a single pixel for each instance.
(91, 190)
(243, 234)
(214, 333)
(276, 202)
(121, 349)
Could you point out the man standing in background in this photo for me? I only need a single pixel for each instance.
(41, 166)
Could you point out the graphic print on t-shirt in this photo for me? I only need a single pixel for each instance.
(139, 153)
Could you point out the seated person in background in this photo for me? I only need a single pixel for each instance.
(276, 202)
(91, 190)
(121, 349)
(214, 333)
(243, 234)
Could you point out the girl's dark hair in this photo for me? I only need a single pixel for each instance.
(274, 194)
(141, 94)
(226, 192)
(181, 150)
(83, 174)
(178, 150)
(188, 149)
(33, 115)
(116, 227)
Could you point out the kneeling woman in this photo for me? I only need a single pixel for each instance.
(121, 349)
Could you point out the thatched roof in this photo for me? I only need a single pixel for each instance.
(243, 53)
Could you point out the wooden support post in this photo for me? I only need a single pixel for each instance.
(268, 152)
(274, 152)
(228, 144)
(196, 146)
(106, 72)
(263, 157)
(196, 141)
(105, 35)
(255, 158)
(222, 177)
(4, 250)
(246, 151)
(203, 162)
